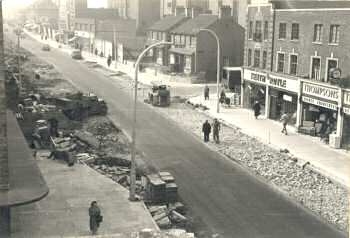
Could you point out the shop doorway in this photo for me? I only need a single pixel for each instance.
(282, 102)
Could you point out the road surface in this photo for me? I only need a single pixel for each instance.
(230, 202)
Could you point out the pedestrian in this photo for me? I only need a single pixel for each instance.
(216, 130)
(95, 217)
(206, 92)
(206, 129)
(284, 120)
(256, 108)
(109, 60)
(96, 51)
(222, 96)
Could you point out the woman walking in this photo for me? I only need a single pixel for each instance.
(95, 217)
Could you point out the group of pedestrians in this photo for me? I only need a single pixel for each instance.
(206, 129)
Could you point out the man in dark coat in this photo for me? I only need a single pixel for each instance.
(109, 60)
(206, 129)
(95, 217)
(216, 130)
(256, 109)
(206, 92)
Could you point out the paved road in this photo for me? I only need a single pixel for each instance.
(230, 202)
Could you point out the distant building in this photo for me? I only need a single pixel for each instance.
(194, 51)
(160, 31)
(68, 11)
(145, 13)
(294, 52)
(183, 7)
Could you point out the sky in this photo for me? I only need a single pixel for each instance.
(23, 3)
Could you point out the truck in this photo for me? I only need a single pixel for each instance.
(159, 95)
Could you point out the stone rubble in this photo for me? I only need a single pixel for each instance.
(281, 169)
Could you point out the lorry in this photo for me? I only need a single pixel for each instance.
(159, 95)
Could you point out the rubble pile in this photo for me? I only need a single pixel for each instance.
(171, 233)
(311, 189)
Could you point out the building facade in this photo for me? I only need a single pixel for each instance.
(297, 61)
(196, 52)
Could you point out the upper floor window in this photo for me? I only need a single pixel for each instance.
(334, 34)
(257, 34)
(264, 59)
(193, 41)
(318, 30)
(159, 36)
(295, 31)
(266, 30)
(250, 32)
(282, 33)
(154, 35)
(280, 62)
(293, 63)
(249, 60)
(256, 58)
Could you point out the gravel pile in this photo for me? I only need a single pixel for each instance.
(311, 189)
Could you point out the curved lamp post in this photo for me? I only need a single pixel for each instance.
(133, 139)
(218, 70)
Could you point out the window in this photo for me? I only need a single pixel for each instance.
(318, 32)
(331, 64)
(315, 68)
(226, 61)
(154, 35)
(256, 58)
(193, 41)
(249, 61)
(159, 35)
(334, 34)
(295, 31)
(264, 59)
(250, 34)
(280, 62)
(282, 34)
(266, 30)
(257, 34)
(293, 63)
(182, 39)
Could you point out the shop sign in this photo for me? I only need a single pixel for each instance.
(287, 98)
(320, 103)
(254, 76)
(347, 98)
(284, 83)
(83, 34)
(346, 110)
(321, 91)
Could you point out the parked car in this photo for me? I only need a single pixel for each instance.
(46, 47)
(76, 54)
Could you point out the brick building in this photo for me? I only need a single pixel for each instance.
(294, 53)
(194, 51)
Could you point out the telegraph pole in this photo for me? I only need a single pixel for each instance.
(115, 46)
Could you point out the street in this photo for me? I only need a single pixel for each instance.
(231, 202)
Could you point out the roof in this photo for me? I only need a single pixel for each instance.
(279, 4)
(167, 23)
(192, 26)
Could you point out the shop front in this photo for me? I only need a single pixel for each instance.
(283, 97)
(346, 122)
(254, 88)
(319, 110)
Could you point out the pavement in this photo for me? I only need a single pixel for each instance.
(228, 200)
(64, 212)
(333, 163)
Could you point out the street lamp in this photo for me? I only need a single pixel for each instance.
(218, 66)
(133, 138)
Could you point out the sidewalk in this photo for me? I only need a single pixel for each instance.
(64, 212)
(144, 77)
(332, 163)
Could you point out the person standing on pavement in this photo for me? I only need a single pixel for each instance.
(206, 92)
(109, 60)
(256, 108)
(284, 120)
(206, 129)
(216, 130)
(95, 217)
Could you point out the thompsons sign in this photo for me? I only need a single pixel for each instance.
(347, 97)
(254, 76)
(321, 91)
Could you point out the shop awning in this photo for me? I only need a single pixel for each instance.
(183, 51)
(27, 184)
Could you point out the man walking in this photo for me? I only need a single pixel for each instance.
(216, 130)
(95, 217)
(284, 120)
(206, 92)
(206, 129)
(256, 109)
(109, 60)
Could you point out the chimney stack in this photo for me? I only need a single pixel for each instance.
(225, 12)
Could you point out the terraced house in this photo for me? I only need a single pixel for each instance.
(297, 61)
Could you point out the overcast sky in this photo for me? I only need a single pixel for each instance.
(22, 3)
